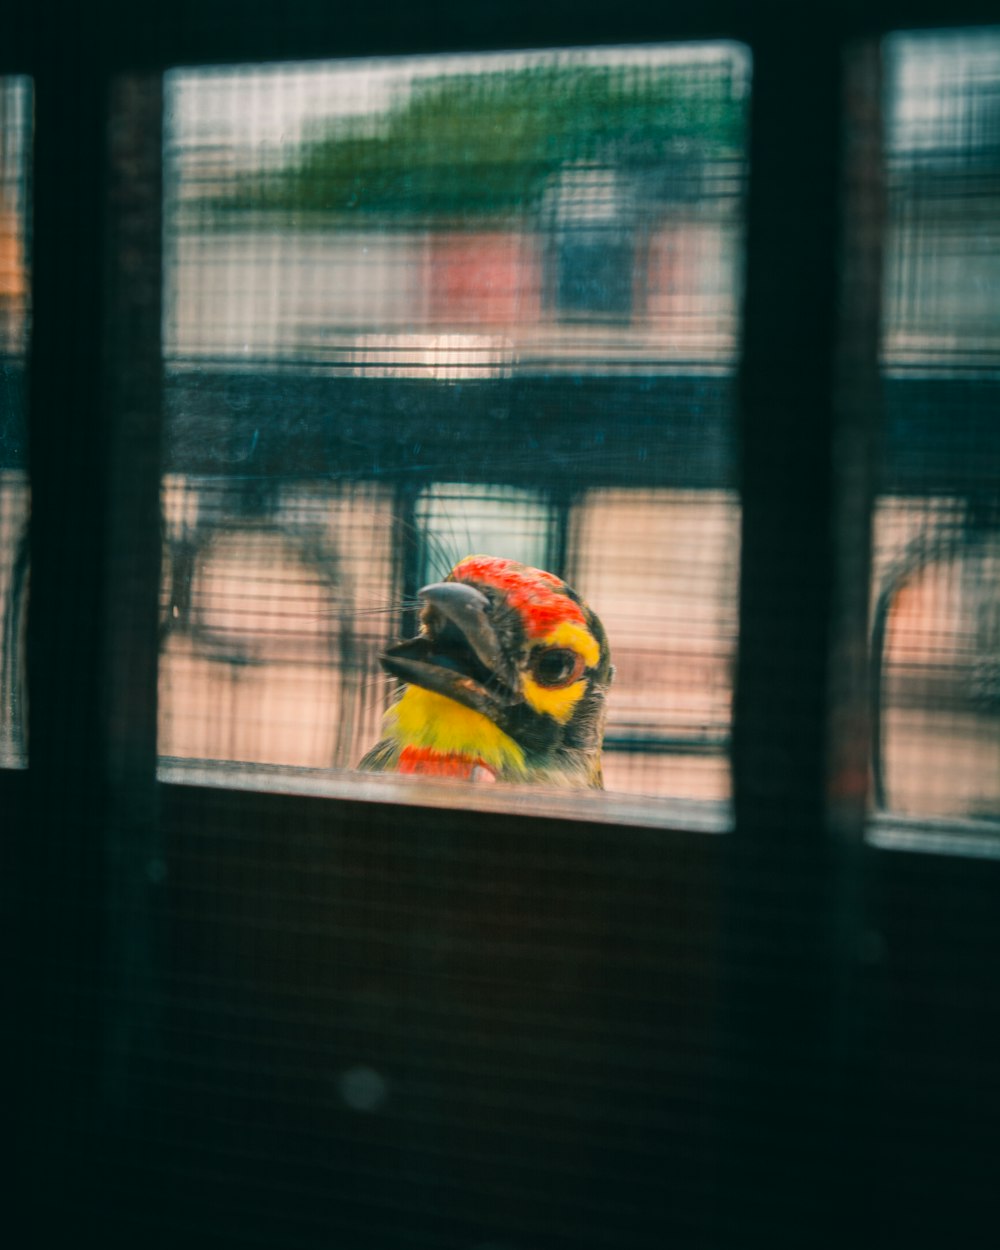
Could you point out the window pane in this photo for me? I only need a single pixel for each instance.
(937, 524)
(422, 308)
(668, 603)
(15, 147)
(456, 520)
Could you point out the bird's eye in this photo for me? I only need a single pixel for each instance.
(556, 667)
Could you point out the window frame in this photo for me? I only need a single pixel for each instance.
(777, 263)
(90, 802)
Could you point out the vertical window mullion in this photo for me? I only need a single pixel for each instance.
(134, 390)
(789, 875)
(89, 849)
(62, 852)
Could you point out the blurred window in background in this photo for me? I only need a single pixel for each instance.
(936, 588)
(419, 308)
(15, 312)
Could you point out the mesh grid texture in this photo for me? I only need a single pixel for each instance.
(422, 308)
(15, 122)
(936, 589)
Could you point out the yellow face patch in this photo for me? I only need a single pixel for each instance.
(578, 639)
(559, 704)
(423, 718)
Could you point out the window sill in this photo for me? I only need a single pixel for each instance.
(929, 835)
(598, 807)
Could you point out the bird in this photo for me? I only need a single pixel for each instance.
(506, 681)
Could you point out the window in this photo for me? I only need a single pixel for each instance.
(422, 308)
(271, 1005)
(936, 587)
(15, 272)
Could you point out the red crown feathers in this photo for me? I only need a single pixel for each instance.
(540, 597)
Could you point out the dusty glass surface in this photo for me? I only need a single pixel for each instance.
(424, 307)
(15, 150)
(936, 584)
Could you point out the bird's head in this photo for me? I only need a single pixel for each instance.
(506, 680)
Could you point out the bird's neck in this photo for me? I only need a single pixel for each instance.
(440, 737)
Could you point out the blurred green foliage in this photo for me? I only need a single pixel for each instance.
(489, 143)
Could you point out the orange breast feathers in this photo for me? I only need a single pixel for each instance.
(430, 763)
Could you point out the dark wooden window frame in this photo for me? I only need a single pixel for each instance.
(796, 884)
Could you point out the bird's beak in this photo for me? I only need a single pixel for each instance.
(457, 653)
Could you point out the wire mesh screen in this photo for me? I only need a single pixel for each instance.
(15, 142)
(936, 616)
(266, 654)
(417, 309)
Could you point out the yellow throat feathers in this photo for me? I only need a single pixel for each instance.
(425, 719)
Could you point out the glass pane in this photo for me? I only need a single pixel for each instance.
(15, 149)
(668, 604)
(422, 308)
(455, 520)
(937, 524)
